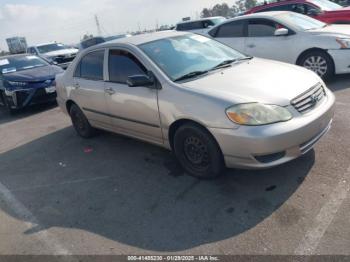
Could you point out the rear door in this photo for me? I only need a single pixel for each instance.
(231, 34)
(89, 87)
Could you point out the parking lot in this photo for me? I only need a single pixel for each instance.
(61, 194)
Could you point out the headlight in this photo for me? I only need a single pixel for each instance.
(16, 84)
(343, 42)
(255, 114)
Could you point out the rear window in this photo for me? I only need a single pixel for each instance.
(190, 26)
(91, 66)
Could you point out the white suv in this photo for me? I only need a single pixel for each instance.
(57, 53)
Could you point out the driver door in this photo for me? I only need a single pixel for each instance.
(134, 110)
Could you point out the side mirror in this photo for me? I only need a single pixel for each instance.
(140, 80)
(281, 32)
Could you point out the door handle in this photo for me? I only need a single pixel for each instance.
(251, 45)
(109, 91)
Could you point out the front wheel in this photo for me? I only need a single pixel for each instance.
(198, 152)
(319, 62)
(81, 123)
(5, 103)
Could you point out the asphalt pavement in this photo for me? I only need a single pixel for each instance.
(61, 194)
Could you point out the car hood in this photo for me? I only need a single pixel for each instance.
(34, 74)
(334, 30)
(70, 51)
(257, 80)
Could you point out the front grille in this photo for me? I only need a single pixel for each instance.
(64, 59)
(309, 99)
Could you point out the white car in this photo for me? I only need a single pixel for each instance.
(60, 54)
(289, 37)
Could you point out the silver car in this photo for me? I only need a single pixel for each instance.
(209, 104)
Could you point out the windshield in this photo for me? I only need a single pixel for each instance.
(326, 5)
(51, 47)
(20, 63)
(182, 55)
(301, 21)
(219, 20)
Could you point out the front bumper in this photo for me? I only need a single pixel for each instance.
(341, 58)
(275, 144)
(21, 98)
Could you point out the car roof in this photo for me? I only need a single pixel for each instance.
(50, 43)
(278, 3)
(144, 38)
(258, 15)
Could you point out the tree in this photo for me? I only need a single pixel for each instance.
(87, 36)
(225, 11)
(206, 13)
(244, 5)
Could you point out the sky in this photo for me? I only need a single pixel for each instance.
(67, 21)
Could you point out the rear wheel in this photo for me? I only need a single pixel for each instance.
(319, 62)
(81, 123)
(198, 152)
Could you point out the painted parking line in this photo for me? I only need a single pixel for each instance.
(30, 221)
(325, 217)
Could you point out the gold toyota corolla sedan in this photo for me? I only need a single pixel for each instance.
(211, 105)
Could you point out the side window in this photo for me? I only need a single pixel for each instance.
(31, 50)
(311, 10)
(261, 28)
(91, 66)
(233, 29)
(122, 64)
(299, 8)
(277, 8)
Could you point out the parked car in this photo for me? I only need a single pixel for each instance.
(210, 104)
(26, 80)
(200, 25)
(99, 40)
(58, 53)
(91, 42)
(323, 10)
(291, 38)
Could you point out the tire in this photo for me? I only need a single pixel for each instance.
(81, 123)
(198, 152)
(319, 62)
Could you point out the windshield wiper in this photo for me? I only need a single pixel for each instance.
(190, 75)
(228, 62)
(224, 63)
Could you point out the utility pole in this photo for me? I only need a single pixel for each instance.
(99, 32)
